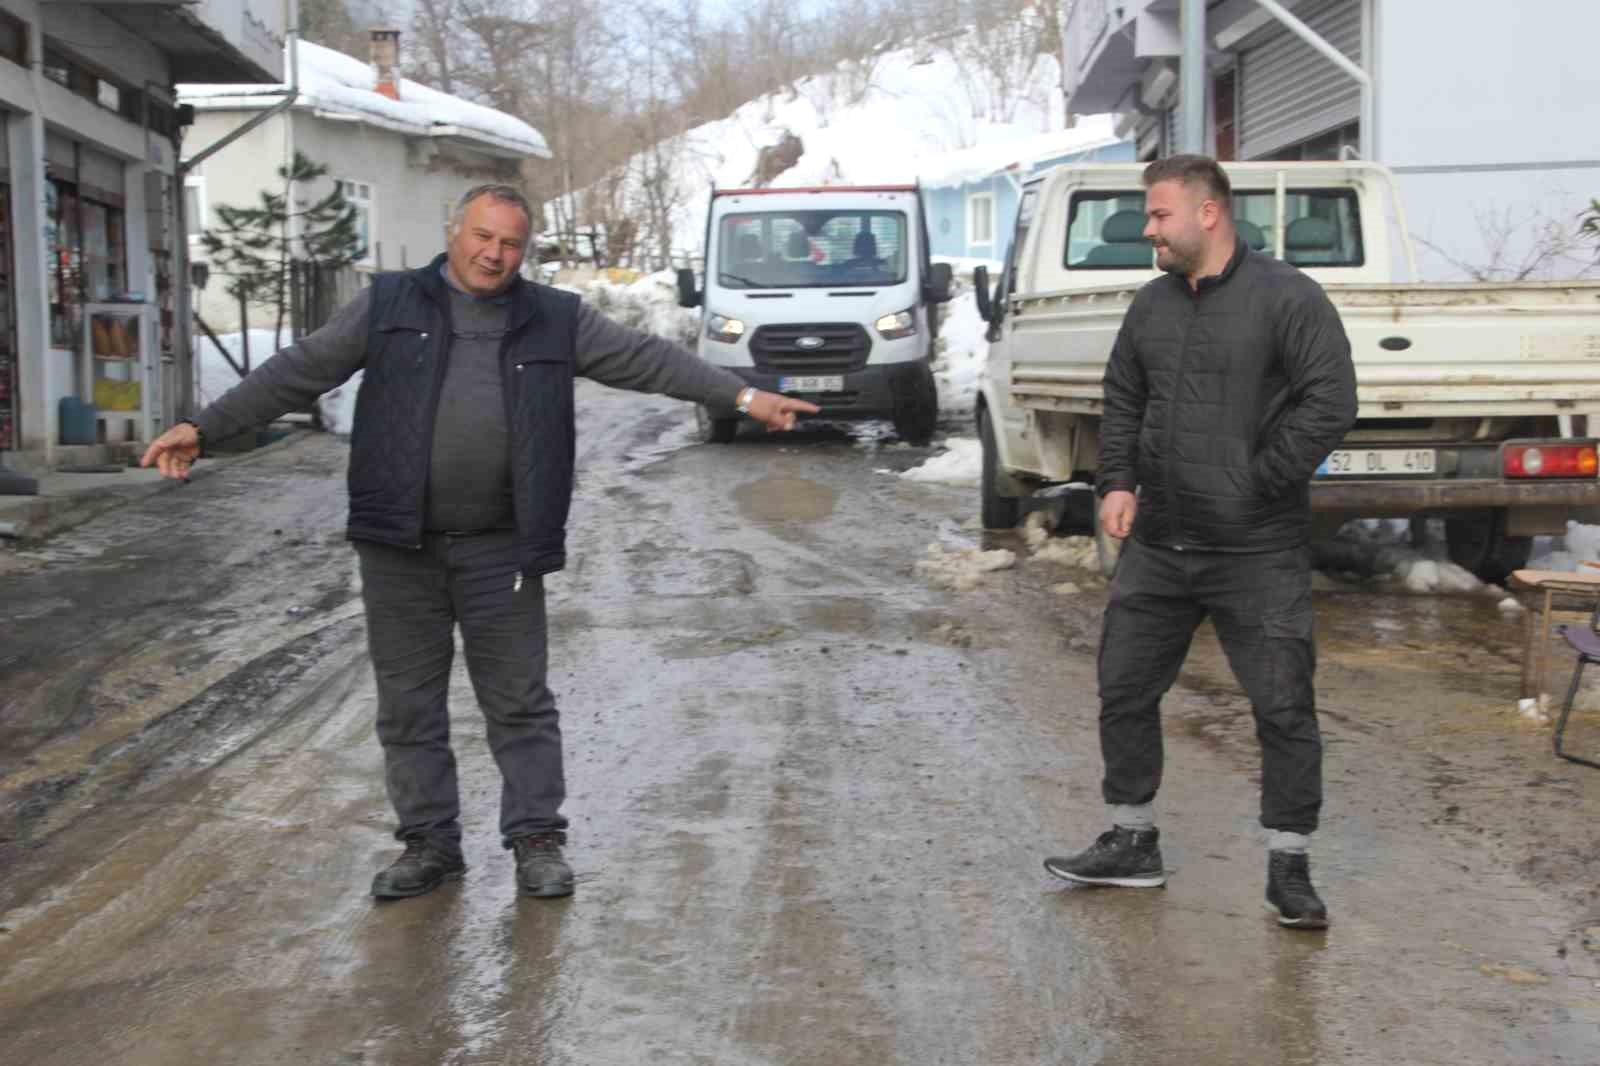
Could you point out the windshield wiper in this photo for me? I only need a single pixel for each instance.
(747, 282)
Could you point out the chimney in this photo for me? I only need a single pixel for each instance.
(385, 55)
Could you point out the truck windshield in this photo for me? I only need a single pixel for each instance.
(1322, 227)
(809, 249)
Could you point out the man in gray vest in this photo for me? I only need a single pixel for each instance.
(461, 474)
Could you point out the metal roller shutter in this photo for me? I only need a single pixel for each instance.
(1289, 92)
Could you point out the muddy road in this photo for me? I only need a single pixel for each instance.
(810, 794)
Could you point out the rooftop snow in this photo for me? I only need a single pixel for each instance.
(334, 82)
(975, 164)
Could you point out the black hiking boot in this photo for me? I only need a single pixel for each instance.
(420, 869)
(541, 869)
(1129, 858)
(1289, 892)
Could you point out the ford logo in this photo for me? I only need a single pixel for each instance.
(809, 343)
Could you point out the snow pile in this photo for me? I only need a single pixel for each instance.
(960, 354)
(213, 375)
(964, 568)
(1581, 544)
(650, 304)
(961, 464)
(331, 81)
(1019, 154)
(1076, 552)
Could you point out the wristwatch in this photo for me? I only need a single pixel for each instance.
(746, 396)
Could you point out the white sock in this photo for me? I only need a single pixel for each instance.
(1283, 840)
(1133, 815)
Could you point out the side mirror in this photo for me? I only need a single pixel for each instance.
(688, 295)
(980, 291)
(937, 288)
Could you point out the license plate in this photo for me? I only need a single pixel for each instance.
(812, 383)
(1378, 462)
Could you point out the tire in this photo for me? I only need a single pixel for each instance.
(916, 403)
(997, 511)
(715, 430)
(1478, 543)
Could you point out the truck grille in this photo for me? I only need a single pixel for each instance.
(844, 348)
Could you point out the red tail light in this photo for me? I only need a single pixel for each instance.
(1550, 460)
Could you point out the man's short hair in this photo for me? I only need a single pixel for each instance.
(1195, 171)
(505, 194)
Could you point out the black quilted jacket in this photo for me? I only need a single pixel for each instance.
(1221, 401)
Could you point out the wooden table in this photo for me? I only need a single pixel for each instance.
(1546, 594)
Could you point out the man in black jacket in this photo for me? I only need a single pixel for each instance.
(461, 472)
(1229, 382)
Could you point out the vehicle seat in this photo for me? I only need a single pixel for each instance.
(1253, 234)
(865, 248)
(1124, 244)
(1311, 241)
(750, 249)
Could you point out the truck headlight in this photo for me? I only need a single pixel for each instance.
(900, 324)
(722, 328)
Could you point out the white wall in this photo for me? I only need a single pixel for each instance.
(1478, 111)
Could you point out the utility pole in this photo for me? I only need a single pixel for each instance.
(1192, 78)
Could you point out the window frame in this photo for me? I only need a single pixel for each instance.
(973, 201)
(367, 203)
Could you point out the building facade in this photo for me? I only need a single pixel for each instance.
(972, 195)
(1480, 113)
(88, 218)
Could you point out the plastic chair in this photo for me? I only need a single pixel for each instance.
(1585, 640)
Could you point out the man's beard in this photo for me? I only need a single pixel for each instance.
(1176, 259)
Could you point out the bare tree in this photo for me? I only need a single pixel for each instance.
(1523, 246)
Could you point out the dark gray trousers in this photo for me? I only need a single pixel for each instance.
(414, 601)
(1261, 607)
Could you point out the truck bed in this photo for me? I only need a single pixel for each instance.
(1422, 351)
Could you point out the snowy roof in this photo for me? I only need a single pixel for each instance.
(975, 164)
(335, 83)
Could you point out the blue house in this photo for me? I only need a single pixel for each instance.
(971, 195)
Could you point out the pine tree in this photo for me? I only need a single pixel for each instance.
(256, 248)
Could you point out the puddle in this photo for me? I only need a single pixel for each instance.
(785, 499)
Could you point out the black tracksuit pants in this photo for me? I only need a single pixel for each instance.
(1260, 604)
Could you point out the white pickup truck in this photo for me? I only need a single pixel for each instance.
(1476, 400)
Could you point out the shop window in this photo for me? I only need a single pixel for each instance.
(64, 241)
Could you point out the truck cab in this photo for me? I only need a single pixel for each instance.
(826, 294)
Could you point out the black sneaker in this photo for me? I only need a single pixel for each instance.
(541, 868)
(1289, 892)
(1130, 858)
(420, 869)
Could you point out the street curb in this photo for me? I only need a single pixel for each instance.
(35, 519)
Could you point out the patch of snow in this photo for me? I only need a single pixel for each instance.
(961, 464)
(960, 355)
(1076, 552)
(962, 569)
(1580, 544)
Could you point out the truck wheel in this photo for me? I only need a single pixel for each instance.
(916, 403)
(998, 512)
(715, 430)
(1107, 549)
(1477, 542)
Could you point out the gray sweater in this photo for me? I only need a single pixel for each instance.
(469, 485)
